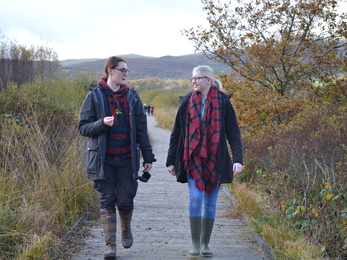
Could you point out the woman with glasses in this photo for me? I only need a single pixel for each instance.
(113, 119)
(198, 152)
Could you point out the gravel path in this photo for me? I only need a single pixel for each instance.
(161, 223)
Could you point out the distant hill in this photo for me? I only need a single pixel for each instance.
(144, 67)
(70, 62)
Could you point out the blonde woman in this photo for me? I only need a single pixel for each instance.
(198, 152)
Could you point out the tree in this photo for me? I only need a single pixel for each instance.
(283, 45)
(21, 64)
(46, 61)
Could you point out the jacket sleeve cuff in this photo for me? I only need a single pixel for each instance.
(150, 161)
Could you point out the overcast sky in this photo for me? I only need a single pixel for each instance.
(78, 29)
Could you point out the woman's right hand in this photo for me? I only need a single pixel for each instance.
(108, 121)
(171, 170)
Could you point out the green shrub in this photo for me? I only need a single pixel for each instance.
(302, 164)
(42, 178)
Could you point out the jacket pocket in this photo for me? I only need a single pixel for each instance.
(93, 159)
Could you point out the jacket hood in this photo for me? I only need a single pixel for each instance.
(103, 85)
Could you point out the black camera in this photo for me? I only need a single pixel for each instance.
(145, 176)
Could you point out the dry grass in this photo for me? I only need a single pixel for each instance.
(285, 242)
(165, 117)
(44, 196)
(43, 188)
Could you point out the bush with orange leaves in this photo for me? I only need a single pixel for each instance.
(296, 151)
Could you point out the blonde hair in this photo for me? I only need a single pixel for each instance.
(207, 71)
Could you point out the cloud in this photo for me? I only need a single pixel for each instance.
(98, 29)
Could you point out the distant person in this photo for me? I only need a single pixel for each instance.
(198, 152)
(145, 107)
(149, 109)
(152, 110)
(113, 119)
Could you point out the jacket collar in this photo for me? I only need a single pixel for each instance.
(183, 99)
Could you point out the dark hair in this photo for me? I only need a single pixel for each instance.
(111, 62)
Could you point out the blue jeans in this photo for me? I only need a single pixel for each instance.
(197, 197)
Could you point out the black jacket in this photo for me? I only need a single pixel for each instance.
(90, 125)
(230, 130)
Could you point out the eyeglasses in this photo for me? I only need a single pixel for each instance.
(198, 78)
(123, 71)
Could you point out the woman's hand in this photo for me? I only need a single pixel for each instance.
(147, 167)
(171, 170)
(108, 121)
(237, 168)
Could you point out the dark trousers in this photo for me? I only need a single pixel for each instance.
(119, 187)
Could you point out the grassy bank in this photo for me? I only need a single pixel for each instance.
(285, 241)
(42, 178)
(165, 117)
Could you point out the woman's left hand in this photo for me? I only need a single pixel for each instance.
(147, 167)
(237, 168)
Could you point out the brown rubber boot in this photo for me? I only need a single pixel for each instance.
(109, 225)
(125, 220)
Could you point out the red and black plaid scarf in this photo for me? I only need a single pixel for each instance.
(202, 138)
